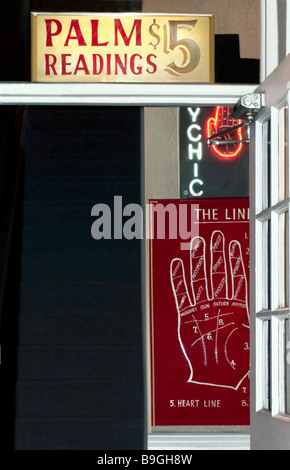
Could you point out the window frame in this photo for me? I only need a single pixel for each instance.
(270, 207)
(143, 95)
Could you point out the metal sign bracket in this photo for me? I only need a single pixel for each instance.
(245, 109)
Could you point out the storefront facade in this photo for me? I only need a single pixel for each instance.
(41, 339)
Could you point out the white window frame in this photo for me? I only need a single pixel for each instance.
(151, 95)
(275, 313)
(268, 37)
(126, 94)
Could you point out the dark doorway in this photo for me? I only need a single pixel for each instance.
(78, 361)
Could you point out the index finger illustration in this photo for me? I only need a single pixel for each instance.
(238, 273)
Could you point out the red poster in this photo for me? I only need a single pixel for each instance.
(199, 291)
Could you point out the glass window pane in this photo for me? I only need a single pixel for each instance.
(283, 151)
(283, 256)
(267, 372)
(287, 366)
(266, 165)
(269, 164)
(266, 268)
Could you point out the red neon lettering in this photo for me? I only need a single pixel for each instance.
(49, 32)
(219, 122)
(127, 39)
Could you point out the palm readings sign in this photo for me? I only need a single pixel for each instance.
(212, 310)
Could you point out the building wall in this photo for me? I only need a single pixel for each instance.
(242, 21)
(231, 17)
(161, 125)
(275, 36)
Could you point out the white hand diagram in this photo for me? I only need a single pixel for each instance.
(213, 322)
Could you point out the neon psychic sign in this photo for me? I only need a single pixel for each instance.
(216, 170)
(220, 121)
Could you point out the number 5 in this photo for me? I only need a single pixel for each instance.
(189, 47)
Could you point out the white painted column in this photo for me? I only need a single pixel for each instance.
(287, 28)
(269, 37)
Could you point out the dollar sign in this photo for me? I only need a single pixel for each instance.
(154, 34)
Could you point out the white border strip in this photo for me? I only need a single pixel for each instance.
(212, 441)
(126, 94)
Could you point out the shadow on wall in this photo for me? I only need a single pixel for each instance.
(229, 67)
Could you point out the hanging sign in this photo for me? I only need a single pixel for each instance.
(92, 47)
(199, 299)
(215, 170)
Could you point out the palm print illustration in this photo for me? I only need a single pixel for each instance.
(213, 327)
